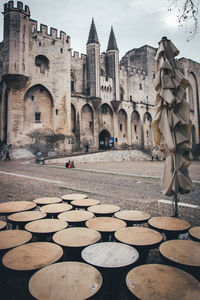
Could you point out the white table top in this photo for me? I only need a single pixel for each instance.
(110, 255)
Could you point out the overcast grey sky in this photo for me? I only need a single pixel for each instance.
(135, 22)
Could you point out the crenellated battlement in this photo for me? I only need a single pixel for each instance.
(78, 55)
(20, 7)
(53, 32)
(133, 71)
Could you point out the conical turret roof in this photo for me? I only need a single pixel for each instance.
(93, 37)
(112, 44)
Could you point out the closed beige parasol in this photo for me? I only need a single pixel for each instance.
(172, 124)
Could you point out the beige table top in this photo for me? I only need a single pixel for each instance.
(32, 256)
(46, 226)
(76, 237)
(105, 224)
(110, 255)
(169, 224)
(47, 200)
(156, 282)
(55, 208)
(132, 215)
(194, 232)
(26, 216)
(3, 224)
(13, 238)
(71, 197)
(65, 281)
(183, 252)
(104, 209)
(139, 236)
(85, 202)
(74, 216)
(16, 206)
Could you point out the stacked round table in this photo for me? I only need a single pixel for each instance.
(170, 226)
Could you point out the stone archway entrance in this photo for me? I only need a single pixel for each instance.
(104, 137)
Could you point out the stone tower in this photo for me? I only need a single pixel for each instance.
(112, 63)
(93, 62)
(16, 22)
(15, 53)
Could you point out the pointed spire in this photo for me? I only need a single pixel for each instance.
(112, 44)
(93, 37)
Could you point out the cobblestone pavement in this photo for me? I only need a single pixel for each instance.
(131, 185)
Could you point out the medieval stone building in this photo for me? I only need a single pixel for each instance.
(54, 100)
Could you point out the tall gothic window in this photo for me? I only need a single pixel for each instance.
(42, 62)
(73, 81)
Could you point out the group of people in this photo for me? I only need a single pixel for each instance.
(70, 164)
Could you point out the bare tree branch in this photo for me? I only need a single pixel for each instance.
(187, 15)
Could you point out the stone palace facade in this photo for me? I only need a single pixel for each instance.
(58, 101)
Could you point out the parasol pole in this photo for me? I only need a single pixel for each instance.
(175, 196)
(175, 201)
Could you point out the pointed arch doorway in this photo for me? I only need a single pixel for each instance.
(104, 137)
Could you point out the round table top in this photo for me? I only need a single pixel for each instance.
(139, 236)
(13, 238)
(110, 255)
(55, 208)
(105, 224)
(85, 202)
(194, 233)
(104, 209)
(65, 281)
(32, 256)
(74, 216)
(47, 200)
(156, 281)
(3, 224)
(26, 216)
(169, 224)
(76, 237)
(183, 252)
(71, 197)
(16, 206)
(132, 215)
(46, 226)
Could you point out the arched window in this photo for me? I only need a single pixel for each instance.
(73, 82)
(121, 94)
(42, 62)
(102, 72)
